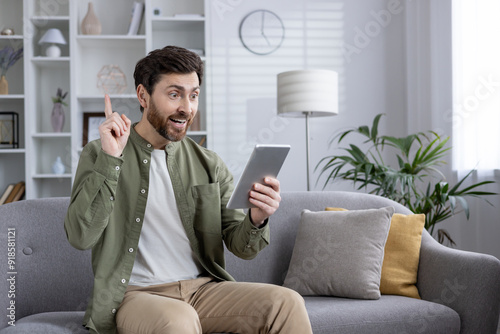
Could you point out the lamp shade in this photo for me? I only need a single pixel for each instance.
(52, 36)
(311, 92)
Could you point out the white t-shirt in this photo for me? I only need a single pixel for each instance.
(164, 254)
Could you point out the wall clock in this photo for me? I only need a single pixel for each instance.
(262, 32)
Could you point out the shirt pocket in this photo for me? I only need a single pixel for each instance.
(207, 215)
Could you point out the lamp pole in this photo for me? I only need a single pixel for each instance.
(306, 114)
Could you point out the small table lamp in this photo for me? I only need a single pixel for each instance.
(52, 36)
(307, 93)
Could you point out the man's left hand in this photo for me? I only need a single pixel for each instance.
(266, 197)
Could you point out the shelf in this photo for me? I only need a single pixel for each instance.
(116, 40)
(60, 22)
(51, 61)
(178, 19)
(12, 151)
(49, 18)
(197, 133)
(180, 24)
(12, 97)
(113, 37)
(100, 98)
(52, 176)
(8, 37)
(52, 135)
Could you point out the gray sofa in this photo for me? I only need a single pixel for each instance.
(460, 290)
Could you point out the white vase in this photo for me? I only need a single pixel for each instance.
(58, 167)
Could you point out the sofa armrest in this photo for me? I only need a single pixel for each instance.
(467, 282)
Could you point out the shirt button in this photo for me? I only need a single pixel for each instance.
(145, 161)
(124, 280)
(117, 167)
(113, 311)
(111, 198)
(254, 232)
(130, 250)
(248, 246)
(138, 220)
(148, 145)
(143, 191)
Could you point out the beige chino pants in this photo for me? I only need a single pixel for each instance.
(203, 305)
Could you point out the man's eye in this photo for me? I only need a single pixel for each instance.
(194, 96)
(174, 95)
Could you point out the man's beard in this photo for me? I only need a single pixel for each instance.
(164, 128)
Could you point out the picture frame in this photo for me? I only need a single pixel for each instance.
(9, 130)
(91, 122)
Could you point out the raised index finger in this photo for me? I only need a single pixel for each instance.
(108, 110)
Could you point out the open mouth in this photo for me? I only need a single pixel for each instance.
(179, 123)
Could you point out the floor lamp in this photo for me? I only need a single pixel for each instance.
(307, 93)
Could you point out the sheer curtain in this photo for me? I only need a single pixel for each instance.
(476, 71)
(476, 116)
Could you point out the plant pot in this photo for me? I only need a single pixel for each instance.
(57, 117)
(90, 24)
(4, 86)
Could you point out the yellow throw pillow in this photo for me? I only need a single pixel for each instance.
(401, 255)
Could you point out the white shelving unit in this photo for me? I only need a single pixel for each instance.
(34, 80)
(13, 160)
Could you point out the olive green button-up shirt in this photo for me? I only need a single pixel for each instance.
(107, 207)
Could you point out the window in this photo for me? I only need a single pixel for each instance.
(476, 72)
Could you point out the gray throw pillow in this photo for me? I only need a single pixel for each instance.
(339, 253)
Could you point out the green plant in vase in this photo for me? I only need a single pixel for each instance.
(8, 57)
(415, 181)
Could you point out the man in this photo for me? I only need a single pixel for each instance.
(151, 204)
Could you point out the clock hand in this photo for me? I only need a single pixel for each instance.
(262, 23)
(262, 28)
(265, 37)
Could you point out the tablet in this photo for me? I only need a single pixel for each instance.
(266, 160)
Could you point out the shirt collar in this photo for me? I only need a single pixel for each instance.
(143, 143)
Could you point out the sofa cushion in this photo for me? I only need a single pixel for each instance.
(49, 322)
(339, 253)
(401, 255)
(389, 314)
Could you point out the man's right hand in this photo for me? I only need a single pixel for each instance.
(114, 131)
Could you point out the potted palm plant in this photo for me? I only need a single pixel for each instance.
(415, 181)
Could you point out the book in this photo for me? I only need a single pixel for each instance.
(20, 194)
(14, 192)
(6, 193)
(135, 20)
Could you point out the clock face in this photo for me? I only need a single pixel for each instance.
(262, 32)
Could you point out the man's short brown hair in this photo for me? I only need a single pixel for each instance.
(170, 59)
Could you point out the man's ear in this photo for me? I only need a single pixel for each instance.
(142, 96)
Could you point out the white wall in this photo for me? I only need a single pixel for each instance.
(361, 40)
